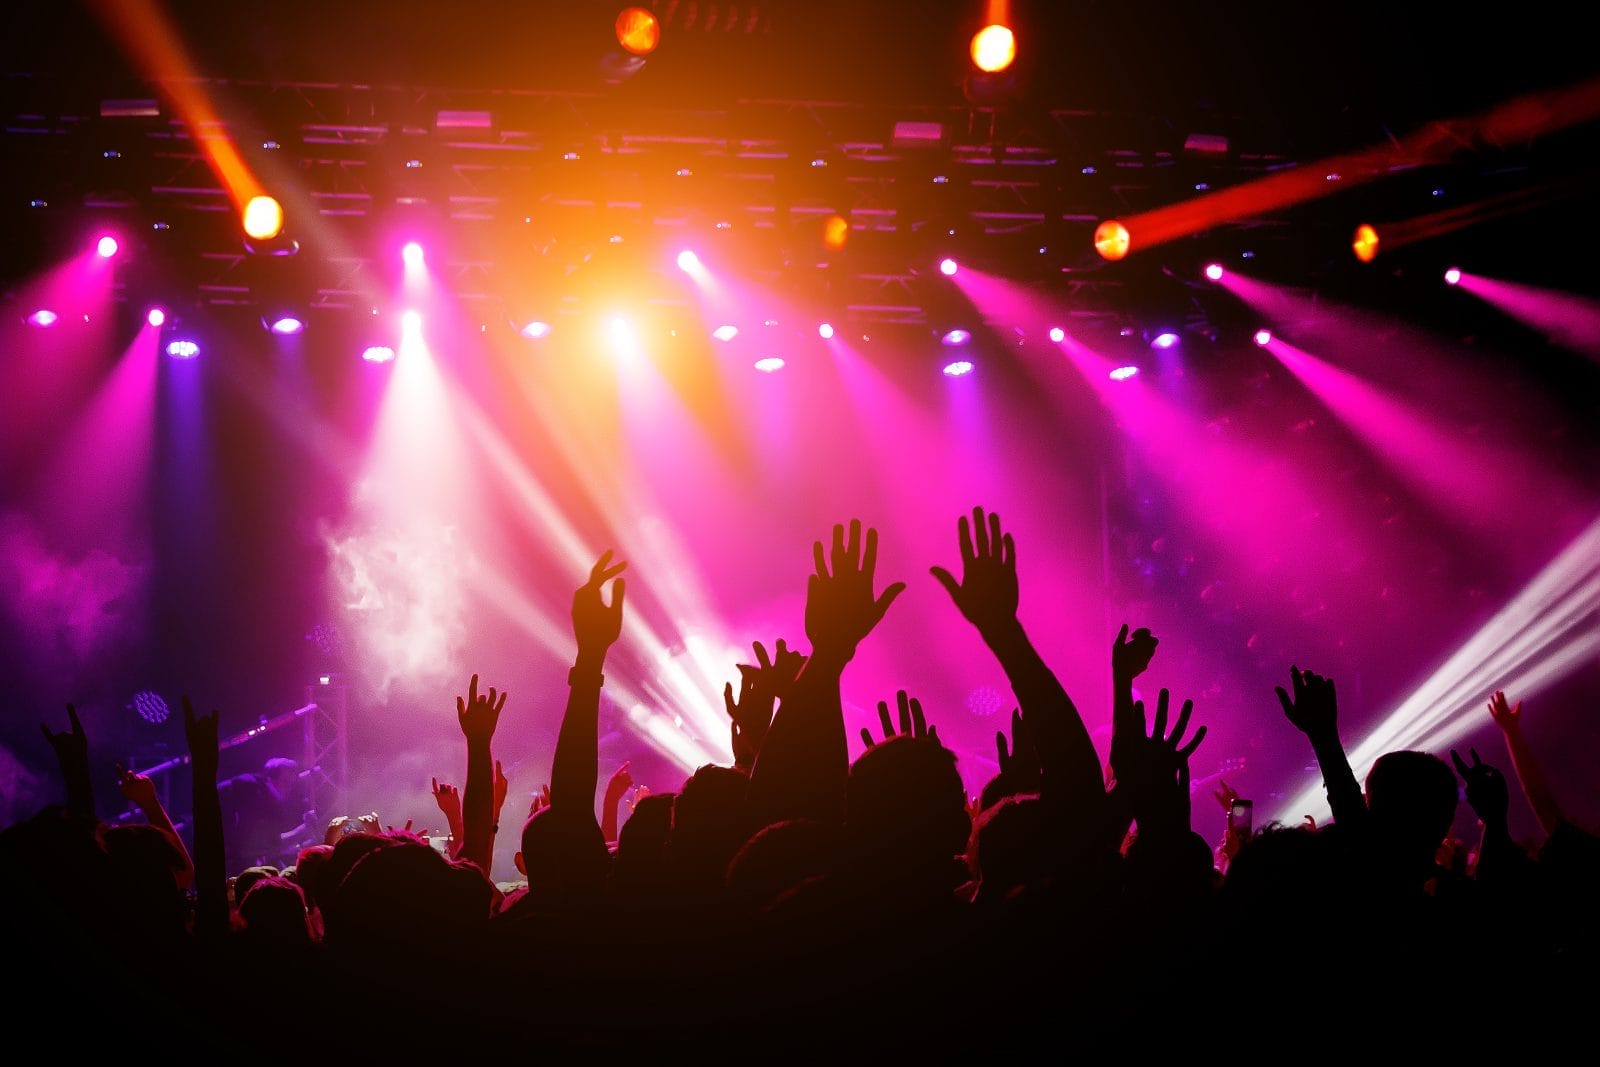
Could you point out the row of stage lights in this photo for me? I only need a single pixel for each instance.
(265, 223)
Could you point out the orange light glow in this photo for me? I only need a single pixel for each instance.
(1365, 245)
(1111, 240)
(994, 48)
(835, 233)
(263, 218)
(638, 31)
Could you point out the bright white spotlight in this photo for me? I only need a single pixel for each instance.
(411, 321)
(948, 267)
(155, 316)
(1452, 276)
(769, 364)
(955, 337)
(44, 317)
(182, 348)
(1214, 271)
(688, 261)
(1057, 334)
(287, 325)
(1164, 339)
(106, 247)
(535, 330)
(378, 354)
(1122, 374)
(725, 332)
(825, 331)
(1263, 338)
(957, 368)
(412, 254)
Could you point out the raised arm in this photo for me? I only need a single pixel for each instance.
(1529, 772)
(575, 772)
(987, 596)
(1313, 709)
(71, 747)
(616, 786)
(479, 714)
(761, 686)
(210, 859)
(141, 792)
(449, 800)
(1501, 861)
(1130, 656)
(804, 762)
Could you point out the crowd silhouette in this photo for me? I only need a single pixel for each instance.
(800, 904)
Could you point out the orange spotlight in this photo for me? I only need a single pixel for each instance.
(835, 233)
(638, 31)
(1365, 244)
(1111, 240)
(993, 48)
(263, 218)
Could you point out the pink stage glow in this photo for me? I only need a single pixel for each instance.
(1568, 319)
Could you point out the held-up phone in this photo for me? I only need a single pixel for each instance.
(1240, 814)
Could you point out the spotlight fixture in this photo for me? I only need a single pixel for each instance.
(957, 368)
(284, 323)
(769, 364)
(955, 337)
(534, 329)
(993, 48)
(948, 267)
(1365, 243)
(1122, 374)
(1164, 339)
(825, 331)
(43, 318)
(725, 332)
(1214, 271)
(412, 254)
(411, 321)
(1057, 334)
(688, 261)
(1452, 276)
(1112, 240)
(263, 218)
(183, 348)
(378, 354)
(106, 247)
(155, 316)
(1263, 338)
(638, 30)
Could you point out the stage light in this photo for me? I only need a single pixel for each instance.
(993, 49)
(957, 368)
(1452, 276)
(1263, 338)
(954, 337)
(412, 254)
(1365, 243)
(638, 31)
(155, 316)
(263, 218)
(1214, 271)
(411, 321)
(1111, 240)
(1122, 374)
(948, 267)
(285, 325)
(825, 331)
(835, 233)
(769, 364)
(378, 354)
(106, 247)
(725, 333)
(688, 261)
(1057, 334)
(1164, 339)
(535, 329)
(43, 318)
(182, 348)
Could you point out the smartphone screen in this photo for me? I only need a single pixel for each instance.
(1240, 815)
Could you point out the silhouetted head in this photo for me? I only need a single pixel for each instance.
(249, 877)
(1412, 799)
(309, 867)
(144, 867)
(906, 807)
(709, 823)
(273, 910)
(563, 851)
(642, 841)
(781, 857)
(1010, 846)
(406, 896)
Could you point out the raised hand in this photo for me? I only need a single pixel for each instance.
(760, 688)
(616, 786)
(541, 800)
(1019, 763)
(337, 827)
(138, 789)
(448, 797)
(597, 624)
(840, 607)
(1156, 767)
(502, 785)
(479, 714)
(1131, 654)
(987, 592)
(912, 722)
(370, 823)
(619, 782)
(1225, 795)
(1314, 708)
(1486, 790)
(71, 746)
(1506, 715)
